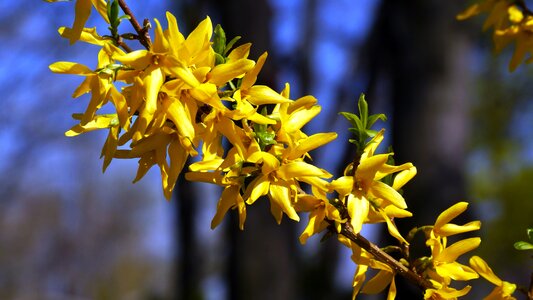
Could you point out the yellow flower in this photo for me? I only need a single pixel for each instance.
(82, 12)
(320, 211)
(443, 228)
(503, 289)
(444, 259)
(445, 293)
(364, 190)
(444, 266)
(154, 149)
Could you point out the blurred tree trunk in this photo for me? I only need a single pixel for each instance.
(416, 57)
(187, 266)
(261, 261)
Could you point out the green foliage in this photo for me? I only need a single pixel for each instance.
(113, 10)
(521, 245)
(262, 135)
(219, 44)
(362, 123)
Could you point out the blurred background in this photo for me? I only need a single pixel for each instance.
(67, 231)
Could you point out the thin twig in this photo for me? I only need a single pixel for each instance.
(142, 32)
(383, 257)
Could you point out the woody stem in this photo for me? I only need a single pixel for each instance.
(142, 32)
(347, 231)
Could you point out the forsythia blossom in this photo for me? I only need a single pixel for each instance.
(187, 96)
(511, 22)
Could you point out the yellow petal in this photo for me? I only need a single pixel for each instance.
(343, 185)
(153, 80)
(65, 67)
(269, 162)
(257, 188)
(515, 14)
(280, 194)
(223, 73)
(452, 229)
(82, 11)
(368, 167)
(178, 156)
(139, 59)
(88, 35)
(403, 177)
(110, 146)
(101, 8)
(456, 271)
(378, 283)
(199, 37)
(262, 94)
(450, 213)
(298, 119)
(469, 12)
(177, 112)
(446, 293)
(373, 144)
(240, 52)
(182, 72)
(160, 44)
(316, 218)
(480, 266)
(227, 200)
(249, 79)
(311, 143)
(451, 253)
(392, 290)
(385, 192)
(299, 169)
(391, 227)
(358, 208)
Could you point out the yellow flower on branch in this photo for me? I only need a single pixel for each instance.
(442, 267)
(503, 290)
(367, 197)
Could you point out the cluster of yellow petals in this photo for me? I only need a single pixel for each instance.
(173, 101)
(511, 23)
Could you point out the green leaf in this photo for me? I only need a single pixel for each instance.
(354, 120)
(231, 43)
(521, 245)
(219, 59)
(363, 110)
(373, 118)
(530, 234)
(219, 41)
(112, 13)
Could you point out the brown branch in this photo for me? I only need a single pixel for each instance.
(142, 32)
(124, 46)
(383, 257)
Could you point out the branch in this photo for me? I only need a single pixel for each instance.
(142, 32)
(383, 257)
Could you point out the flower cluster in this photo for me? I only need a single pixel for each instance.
(511, 21)
(181, 97)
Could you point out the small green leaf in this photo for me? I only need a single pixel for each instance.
(373, 118)
(112, 13)
(521, 245)
(363, 110)
(530, 234)
(219, 41)
(230, 44)
(354, 120)
(219, 59)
